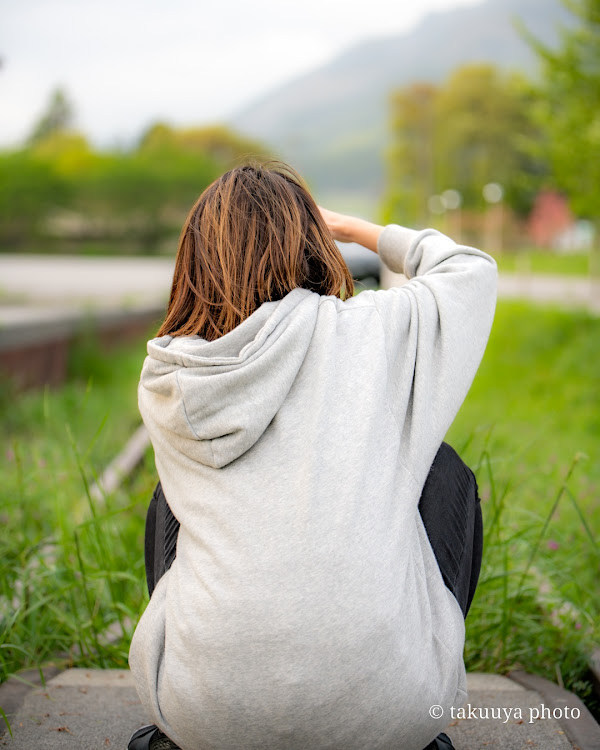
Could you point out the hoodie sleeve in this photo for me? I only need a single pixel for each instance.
(435, 329)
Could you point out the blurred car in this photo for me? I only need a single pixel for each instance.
(364, 265)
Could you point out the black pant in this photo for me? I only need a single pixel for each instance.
(449, 507)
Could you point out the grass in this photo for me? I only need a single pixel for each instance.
(545, 262)
(70, 569)
(537, 606)
(535, 402)
(95, 248)
(72, 583)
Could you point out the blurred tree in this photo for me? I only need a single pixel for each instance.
(485, 133)
(474, 129)
(412, 154)
(218, 142)
(221, 143)
(570, 106)
(158, 136)
(29, 189)
(57, 117)
(60, 187)
(68, 151)
(142, 196)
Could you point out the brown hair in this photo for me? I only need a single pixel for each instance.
(252, 236)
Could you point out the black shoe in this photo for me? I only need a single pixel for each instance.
(441, 742)
(150, 738)
(161, 742)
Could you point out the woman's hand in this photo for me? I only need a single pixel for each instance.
(352, 229)
(337, 223)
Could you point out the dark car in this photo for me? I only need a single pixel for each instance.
(364, 265)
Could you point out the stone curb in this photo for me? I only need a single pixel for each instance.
(54, 324)
(583, 732)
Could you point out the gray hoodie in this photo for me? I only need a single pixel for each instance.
(305, 609)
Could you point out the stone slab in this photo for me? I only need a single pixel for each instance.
(80, 709)
(506, 720)
(88, 709)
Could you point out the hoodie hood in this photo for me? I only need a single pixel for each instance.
(216, 398)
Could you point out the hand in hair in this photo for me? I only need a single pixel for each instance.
(346, 228)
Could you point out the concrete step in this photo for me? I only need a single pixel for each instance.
(88, 709)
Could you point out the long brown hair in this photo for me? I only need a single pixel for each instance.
(252, 236)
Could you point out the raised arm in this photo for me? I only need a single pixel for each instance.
(435, 327)
(346, 228)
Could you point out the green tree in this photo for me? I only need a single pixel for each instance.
(485, 133)
(218, 142)
(411, 156)
(59, 186)
(57, 117)
(570, 106)
(69, 152)
(474, 129)
(141, 196)
(29, 188)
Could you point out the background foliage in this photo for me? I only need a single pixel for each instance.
(475, 128)
(58, 187)
(484, 125)
(529, 422)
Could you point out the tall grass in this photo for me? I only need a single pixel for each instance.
(70, 569)
(537, 606)
(535, 405)
(72, 584)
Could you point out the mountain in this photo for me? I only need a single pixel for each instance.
(331, 123)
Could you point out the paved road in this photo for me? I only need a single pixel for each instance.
(564, 291)
(68, 280)
(32, 284)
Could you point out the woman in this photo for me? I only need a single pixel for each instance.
(324, 562)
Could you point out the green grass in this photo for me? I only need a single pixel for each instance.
(537, 394)
(167, 245)
(545, 262)
(71, 569)
(72, 580)
(535, 404)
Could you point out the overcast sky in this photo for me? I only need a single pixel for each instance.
(127, 63)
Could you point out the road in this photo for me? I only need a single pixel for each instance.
(563, 291)
(42, 286)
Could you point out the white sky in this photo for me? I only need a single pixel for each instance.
(127, 63)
